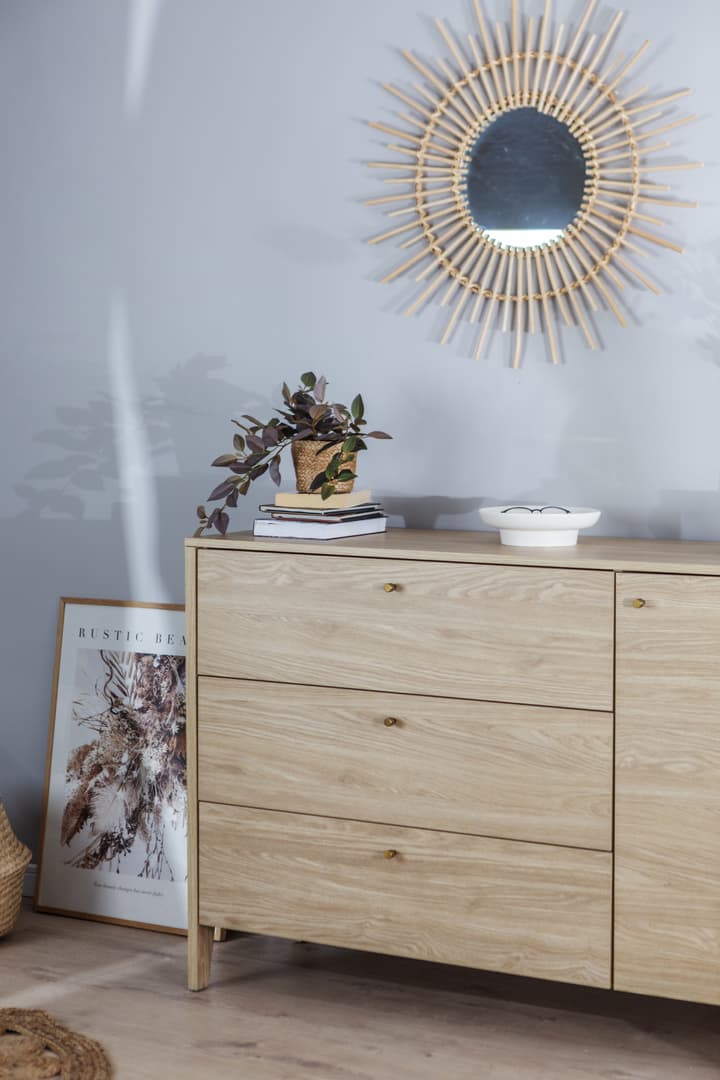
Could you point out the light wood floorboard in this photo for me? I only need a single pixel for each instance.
(278, 1010)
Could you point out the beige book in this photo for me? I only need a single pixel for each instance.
(301, 500)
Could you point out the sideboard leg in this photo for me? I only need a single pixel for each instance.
(220, 934)
(200, 945)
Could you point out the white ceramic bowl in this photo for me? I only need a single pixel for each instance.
(528, 527)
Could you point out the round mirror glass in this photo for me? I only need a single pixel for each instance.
(526, 179)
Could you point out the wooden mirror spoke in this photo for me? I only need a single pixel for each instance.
(578, 79)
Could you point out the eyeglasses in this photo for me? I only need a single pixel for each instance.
(536, 509)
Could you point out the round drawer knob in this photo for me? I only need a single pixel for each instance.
(638, 602)
(390, 586)
(390, 721)
(390, 853)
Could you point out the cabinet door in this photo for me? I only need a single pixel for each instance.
(667, 867)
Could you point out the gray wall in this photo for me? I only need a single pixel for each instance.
(182, 229)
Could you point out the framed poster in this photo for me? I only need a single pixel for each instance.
(114, 829)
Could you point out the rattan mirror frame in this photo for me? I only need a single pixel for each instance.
(588, 268)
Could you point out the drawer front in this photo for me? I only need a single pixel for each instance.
(528, 909)
(513, 771)
(527, 635)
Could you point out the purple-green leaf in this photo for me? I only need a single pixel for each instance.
(221, 491)
(275, 471)
(320, 388)
(256, 444)
(224, 461)
(377, 435)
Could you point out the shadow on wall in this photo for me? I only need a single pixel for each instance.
(699, 320)
(71, 531)
(82, 464)
(429, 511)
(304, 245)
(682, 515)
(79, 479)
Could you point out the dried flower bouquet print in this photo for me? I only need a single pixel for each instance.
(127, 784)
(114, 827)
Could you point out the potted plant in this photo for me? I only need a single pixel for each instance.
(325, 439)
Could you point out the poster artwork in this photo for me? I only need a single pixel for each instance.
(114, 843)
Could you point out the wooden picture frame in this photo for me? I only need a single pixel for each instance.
(569, 75)
(114, 823)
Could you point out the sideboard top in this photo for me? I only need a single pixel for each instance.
(441, 545)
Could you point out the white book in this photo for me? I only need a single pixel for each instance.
(308, 530)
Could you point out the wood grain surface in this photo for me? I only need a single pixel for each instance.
(667, 888)
(450, 546)
(529, 909)
(525, 635)
(200, 938)
(513, 771)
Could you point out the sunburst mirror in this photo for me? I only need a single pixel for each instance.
(528, 163)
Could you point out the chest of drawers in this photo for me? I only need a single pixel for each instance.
(427, 745)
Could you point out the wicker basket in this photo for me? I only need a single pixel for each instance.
(14, 859)
(312, 456)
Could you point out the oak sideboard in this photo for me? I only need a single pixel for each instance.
(428, 745)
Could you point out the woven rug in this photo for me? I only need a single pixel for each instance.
(34, 1047)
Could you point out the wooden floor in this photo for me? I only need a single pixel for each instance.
(284, 1011)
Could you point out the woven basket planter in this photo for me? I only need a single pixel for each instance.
(313, 456)
(14, 859)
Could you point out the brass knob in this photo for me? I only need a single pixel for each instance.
(390, 853)
(638, 602)
(390, 721)
(389, 586)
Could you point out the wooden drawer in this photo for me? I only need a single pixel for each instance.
(513, 771)
(522, 634)
(530, 909)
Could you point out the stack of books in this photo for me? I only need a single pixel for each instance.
(297, 516)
